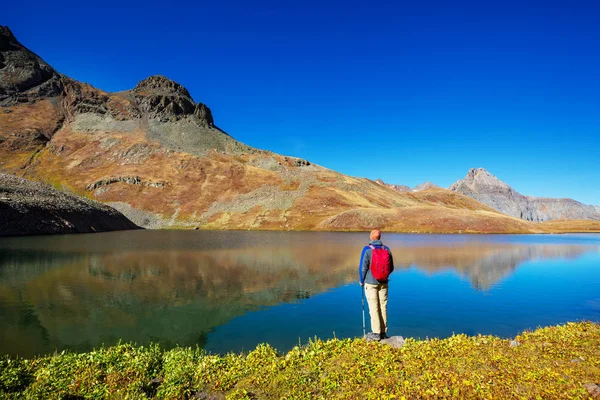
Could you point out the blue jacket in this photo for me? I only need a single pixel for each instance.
(364, 268)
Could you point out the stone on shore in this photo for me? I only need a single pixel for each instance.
(394, 341)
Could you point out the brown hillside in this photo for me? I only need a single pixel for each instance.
(573, 226)
(253, 190)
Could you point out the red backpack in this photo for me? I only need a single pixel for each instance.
(381, 266)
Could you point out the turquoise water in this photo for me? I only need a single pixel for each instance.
(229, 291)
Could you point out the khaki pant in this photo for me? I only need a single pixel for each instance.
(377, 298)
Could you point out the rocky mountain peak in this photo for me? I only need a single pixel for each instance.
(161, 85)
(8, 41)
(166, 100)
(23, 75)
(476, 171)
(479, 172)
(489, 190)
(480, 177)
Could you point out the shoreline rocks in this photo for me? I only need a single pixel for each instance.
(34, 208)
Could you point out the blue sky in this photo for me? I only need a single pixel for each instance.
(403, 91)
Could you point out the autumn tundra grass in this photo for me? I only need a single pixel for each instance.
(558, 362)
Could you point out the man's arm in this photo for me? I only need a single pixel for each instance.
(364, 264)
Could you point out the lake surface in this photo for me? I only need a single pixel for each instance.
(229, 291)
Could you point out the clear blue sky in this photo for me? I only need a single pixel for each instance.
(403, 91)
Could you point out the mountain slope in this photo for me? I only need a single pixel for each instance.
(488, 189)
(156, 155)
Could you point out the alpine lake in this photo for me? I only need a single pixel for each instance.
(229, 291)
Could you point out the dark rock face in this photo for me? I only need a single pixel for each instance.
(23, 75)
(78, 100)
(81, 98)
(166, 100)
(33, 208)
(488, 189)
(160, 85)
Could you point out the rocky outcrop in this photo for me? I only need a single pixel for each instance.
(132, 180)
(399, 188)
(80, 98)
(23, 75)
(33, 208)
(425, 186)
(552, 209)
(161, 98)
(488, 189)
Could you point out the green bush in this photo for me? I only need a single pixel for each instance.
(179, 370)
(17, 374)
(121, 371)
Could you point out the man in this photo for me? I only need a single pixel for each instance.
(376, 263)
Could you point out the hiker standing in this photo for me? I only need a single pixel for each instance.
(376, 264)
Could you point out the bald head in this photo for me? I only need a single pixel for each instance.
(375, 234)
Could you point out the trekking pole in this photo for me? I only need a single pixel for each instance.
(363, 310)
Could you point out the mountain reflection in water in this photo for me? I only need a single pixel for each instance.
(82, 291)
(484, 264)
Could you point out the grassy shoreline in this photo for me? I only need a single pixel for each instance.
(556, 362)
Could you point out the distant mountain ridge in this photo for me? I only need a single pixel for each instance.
(425, 186)
(488, 189)
(403, 188)
(399, 188)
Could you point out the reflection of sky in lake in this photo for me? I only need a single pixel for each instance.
(229, 291)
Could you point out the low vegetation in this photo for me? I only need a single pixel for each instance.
(557, 362)
(570, 226)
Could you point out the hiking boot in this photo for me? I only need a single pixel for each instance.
(373, 336)
(383, 336)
